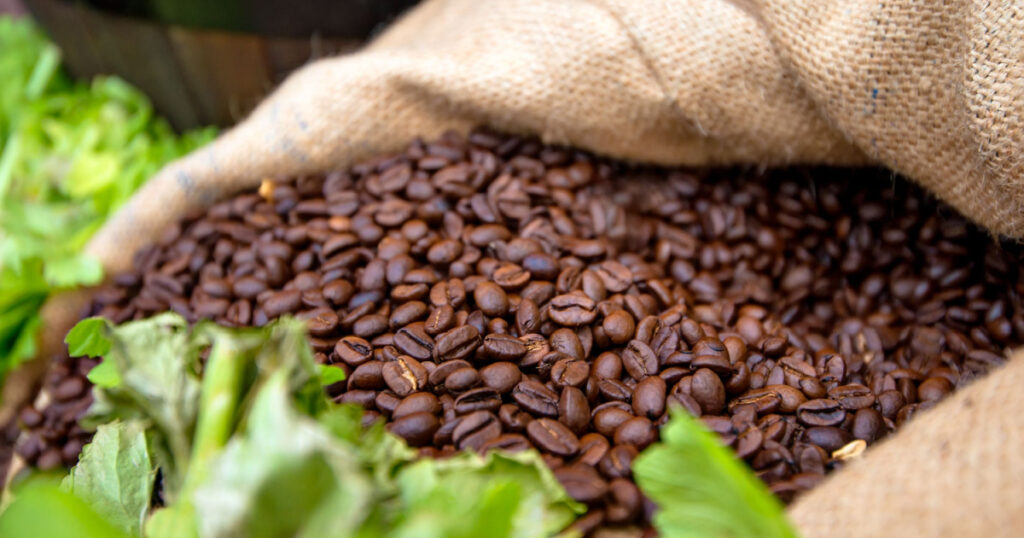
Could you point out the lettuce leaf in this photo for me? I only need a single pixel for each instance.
(702, 490)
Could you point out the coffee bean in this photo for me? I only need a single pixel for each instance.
(417, 429)
(821, 412)
(414, 341)
(552, 436)
(404, 375)
(368, 375)
(829, 438)
(475, 430)
(536, 398)
(457, 343)
(484, 398)
(868, 425)
(639, 360)
(572, 309)
(508, 442)
(501, 376)
(649, 397)
(461, 380)
(637, 431)
(569, 372)
(618, 462)
(491, 299)
(502, 347)
(417, 402)
(708, 391)
(513, 418)
(852, 397)
(582, 483)
(619, 326)
(282, 302)
(574, 410)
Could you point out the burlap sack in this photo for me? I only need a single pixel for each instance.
(930, 89)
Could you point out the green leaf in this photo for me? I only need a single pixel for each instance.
(42, 510)
(330, 375)
(115, 475)
(72, 270)
(702, 490)
(104, 375)
(88, 339)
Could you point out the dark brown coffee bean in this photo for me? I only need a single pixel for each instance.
(368, 375)
(502, 347)
(829, 438)
(462, 379)
(68, 389)
(491, 299)
(501, 376)
(852, 397)
(552, 436)
(618, 462)
(934, 389)
(582, 483)
(574, 410)
(513, 418)
(619, 326)
(414, 341)
(707, 390)
(417, 429)
(404, 375)
(417, 402)
(868, 425)
(441, 372)
(476, 430)
(481, 399)
(508, 442)
(536, 398)
(639, 360)
(637, 431)
(458, 343)
(569, 372)
(821, 412)
(282, 302)
(370, 325)
(649, 398)
(572, 309)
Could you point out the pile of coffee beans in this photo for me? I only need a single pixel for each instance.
(495, 293)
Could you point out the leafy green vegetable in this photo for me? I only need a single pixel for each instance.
(43, 509)
(70, 154)
(108, 475)
(702, 490)
(247, 444)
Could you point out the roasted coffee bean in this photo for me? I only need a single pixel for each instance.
(414, 341)
(483, 398)
(513, 418)
(708, 391)
(639, 360)
(552, 436)
(637, 431)
(572, 309)
(475, 430)
(461, 380)
(501, 376)
(618, 463)
(852, 397)
(570, 372)
(417, 402)
(868, 425)
(502, 347)
(582, 482)
(368, 375)
(649, 397)
(619, 326)
(508, 442)
(536, 398)
(574, 410)
(821, 412)
(404, 375)
(491, 299)
(417, 429)
(458, 343)
(829, 438)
